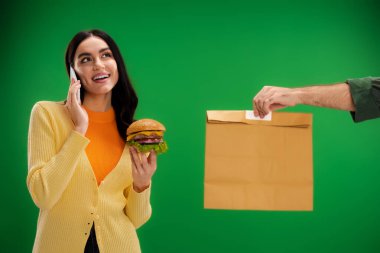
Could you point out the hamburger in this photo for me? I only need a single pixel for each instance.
(147, 135)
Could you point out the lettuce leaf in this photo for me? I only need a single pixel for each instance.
(159, 148)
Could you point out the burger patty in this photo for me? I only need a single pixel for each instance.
(148, 140)
(142, 136)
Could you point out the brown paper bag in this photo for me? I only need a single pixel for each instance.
(256, 164)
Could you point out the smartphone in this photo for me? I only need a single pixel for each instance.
(73, 75)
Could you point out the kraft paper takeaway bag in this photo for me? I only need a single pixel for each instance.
(258, 164)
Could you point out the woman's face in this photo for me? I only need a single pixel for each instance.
(95, 65)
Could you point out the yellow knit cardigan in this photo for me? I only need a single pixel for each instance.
(62, 184)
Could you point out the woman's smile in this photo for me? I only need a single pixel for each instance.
(101, 77)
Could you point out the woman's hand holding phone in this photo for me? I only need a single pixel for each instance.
(79, 115)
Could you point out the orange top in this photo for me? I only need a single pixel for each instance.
(106, 146)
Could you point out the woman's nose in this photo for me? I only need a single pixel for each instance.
(98, 64)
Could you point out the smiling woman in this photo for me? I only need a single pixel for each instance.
(96, 67)
(92, 196)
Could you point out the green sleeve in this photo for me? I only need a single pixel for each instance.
(365, 93)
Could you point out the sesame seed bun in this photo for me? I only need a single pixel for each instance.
(145, 125)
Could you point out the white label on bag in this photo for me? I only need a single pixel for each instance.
(249, 115)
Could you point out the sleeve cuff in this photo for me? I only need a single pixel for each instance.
(79, 138)
(365, 93)
(145, 194)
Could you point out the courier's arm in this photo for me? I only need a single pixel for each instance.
(360, 96)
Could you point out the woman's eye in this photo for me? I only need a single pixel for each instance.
(85, 59)
(106, 55)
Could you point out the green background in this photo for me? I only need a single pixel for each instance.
(185, 57)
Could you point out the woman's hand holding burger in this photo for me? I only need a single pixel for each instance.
(143, 168)
(145, 140)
